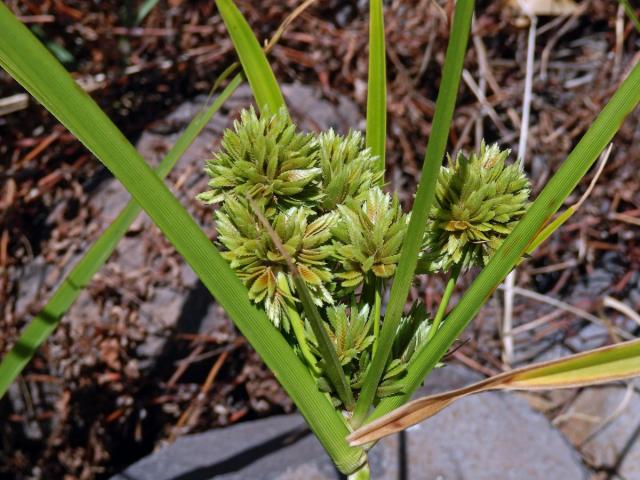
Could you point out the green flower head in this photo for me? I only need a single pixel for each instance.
(348, 168)
(350, 331)
(259, 263)
(368, 237)
(479, 200)
(265, 158)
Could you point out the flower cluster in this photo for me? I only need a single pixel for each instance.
(313, 203)
(307, 187)
(368, 237)
(266, 159)
(350, 331)
(259, 262)
(347, 170)
(479, 199)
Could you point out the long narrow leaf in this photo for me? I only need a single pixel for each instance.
(26, 60)
(631, 13)
(607, 364)
(144, 10)
(377, 85)
(254, 62)
(45, 322)
(299, 10)
(445, 104)
(509, 254)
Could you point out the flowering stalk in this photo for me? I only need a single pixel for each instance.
(305, 226)
(446, 297)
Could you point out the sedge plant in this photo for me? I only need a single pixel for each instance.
(310, 241)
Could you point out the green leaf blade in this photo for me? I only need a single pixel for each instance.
(577, 164)
(254, 62)
(436, 146)
(376, 134)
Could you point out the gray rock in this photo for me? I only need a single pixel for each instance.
(279, 445)
(490, 436)
(30, 283)
(603, 422)
(591, 336)
(314, 113)
(629, 467)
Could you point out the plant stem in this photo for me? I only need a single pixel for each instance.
(333, 367)
(446, 296)
(377, 305)
(298, 330)
(363, 473)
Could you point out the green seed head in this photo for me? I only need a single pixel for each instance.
(266, 159)
(479, 200)
(368, 237)
(348, 168)
(259, 263)
(349, 331)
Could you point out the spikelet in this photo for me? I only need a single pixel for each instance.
(348, 169)
(266, 159)
(258, 262)
(479, 199)
(368, 237)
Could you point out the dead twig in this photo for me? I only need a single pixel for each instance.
(509, 284)
(192, 412)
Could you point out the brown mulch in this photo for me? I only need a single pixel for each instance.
(101, 415)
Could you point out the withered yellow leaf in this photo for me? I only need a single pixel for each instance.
(607, 364)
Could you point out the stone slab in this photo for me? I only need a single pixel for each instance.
(486, 437)
(604, 424)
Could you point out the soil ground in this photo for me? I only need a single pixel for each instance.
(82, 409)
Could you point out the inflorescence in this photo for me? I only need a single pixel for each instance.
(329, 216)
